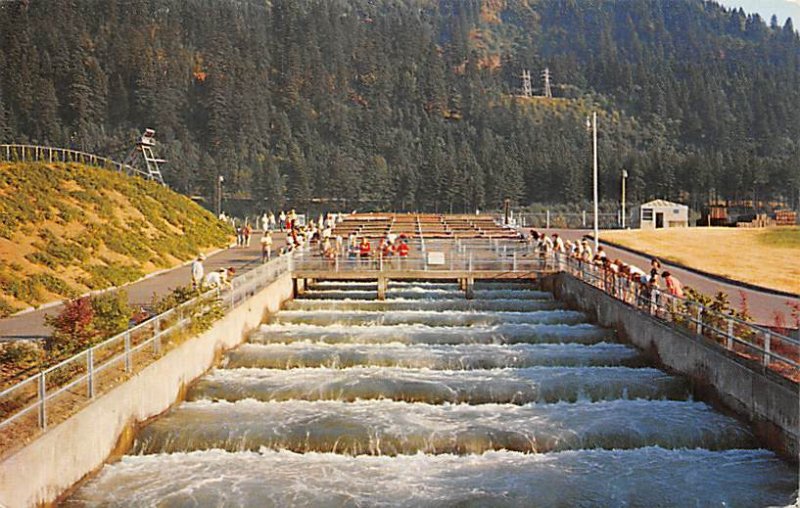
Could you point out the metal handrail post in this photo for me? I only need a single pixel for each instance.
(699, 316)
(729, 338)
(157, 336)
(42, 391)
(767, 348)
(90, 372)
(128, 351)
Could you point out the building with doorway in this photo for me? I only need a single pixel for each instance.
(660, 214)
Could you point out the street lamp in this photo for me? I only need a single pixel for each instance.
(592, 124)
(219, 195)
(624, 177)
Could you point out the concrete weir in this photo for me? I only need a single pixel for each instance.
(769, 402)
(42, 471)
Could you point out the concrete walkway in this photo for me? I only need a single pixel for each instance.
(30, 325)
(762, 305)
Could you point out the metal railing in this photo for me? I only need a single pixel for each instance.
(458, 256)
(35, 153)
(101, 367)
(771, 349)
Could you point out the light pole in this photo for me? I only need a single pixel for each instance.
(624, 177)
(593, 126)
(219, 195)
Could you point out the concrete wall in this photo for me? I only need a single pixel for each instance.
(39, 473)
(767, 401)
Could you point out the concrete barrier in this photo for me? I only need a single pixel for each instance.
(42, 471)
(766, 400)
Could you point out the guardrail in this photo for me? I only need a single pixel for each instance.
(63, 387)
(771, 349)
(23, 153)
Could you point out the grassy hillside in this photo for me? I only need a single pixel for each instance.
(67, 228)
(765, 257)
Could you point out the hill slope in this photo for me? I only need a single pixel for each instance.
(67, 228)
(398, 103)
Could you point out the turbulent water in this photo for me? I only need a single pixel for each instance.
(427, 399)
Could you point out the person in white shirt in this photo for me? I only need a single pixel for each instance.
(266, 246)
(219, 278)
(197, 271)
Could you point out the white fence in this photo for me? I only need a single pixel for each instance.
(35, 153)
(104, 365)
(773, 350)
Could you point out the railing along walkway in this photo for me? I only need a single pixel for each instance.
(772, 350)
(59, 391)
(35, 153)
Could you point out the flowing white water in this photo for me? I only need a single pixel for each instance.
(427, 399)
(438, 357)
(517, 386)
(389, 428)
(499, 304)
(430, 318)
(518, 333)
(643, 477)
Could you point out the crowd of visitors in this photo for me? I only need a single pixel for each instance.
(625, 280)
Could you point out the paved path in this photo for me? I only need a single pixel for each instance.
(31, 325)
(762, 305)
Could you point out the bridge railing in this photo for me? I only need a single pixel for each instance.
(57, 392)
(464, 258)
(36, 153)
(771, 349)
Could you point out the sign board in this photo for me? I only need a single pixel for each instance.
(436, 258)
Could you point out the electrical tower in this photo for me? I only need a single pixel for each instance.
(527, 87)
(548, 92)
(144, 150)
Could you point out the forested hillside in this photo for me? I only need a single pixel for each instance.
(406, 104)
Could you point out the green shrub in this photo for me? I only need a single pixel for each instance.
(112, 314)
(54, 285)
(20, 354)
(6, 309)
(113, 274)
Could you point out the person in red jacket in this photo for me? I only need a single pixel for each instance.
(402, 250)
(364, 248)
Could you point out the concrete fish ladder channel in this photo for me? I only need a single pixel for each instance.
(428, 400)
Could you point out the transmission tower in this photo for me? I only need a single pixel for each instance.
(144, 150)
(527, 87)
(548, 92)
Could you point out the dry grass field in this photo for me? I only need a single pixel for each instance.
(766, 257)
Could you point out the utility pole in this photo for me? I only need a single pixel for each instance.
(624, 177)
(548, 91)
(527, 87)
(220, 179)
(593, 125)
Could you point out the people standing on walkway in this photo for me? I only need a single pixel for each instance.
(282, 221)
(674, 286)
(364, 248)
(266, 246)
(239, 236)
(247, 232)
(198, 271)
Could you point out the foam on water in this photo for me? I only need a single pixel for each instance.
(499, 304)
(430, 318)
(428, 294)
(391, 428)
(643, 477)
(517, 386)
(456, 357)
(424, 334)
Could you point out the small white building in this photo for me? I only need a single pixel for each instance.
(660, 214)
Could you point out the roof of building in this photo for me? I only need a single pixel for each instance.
(661, 203)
